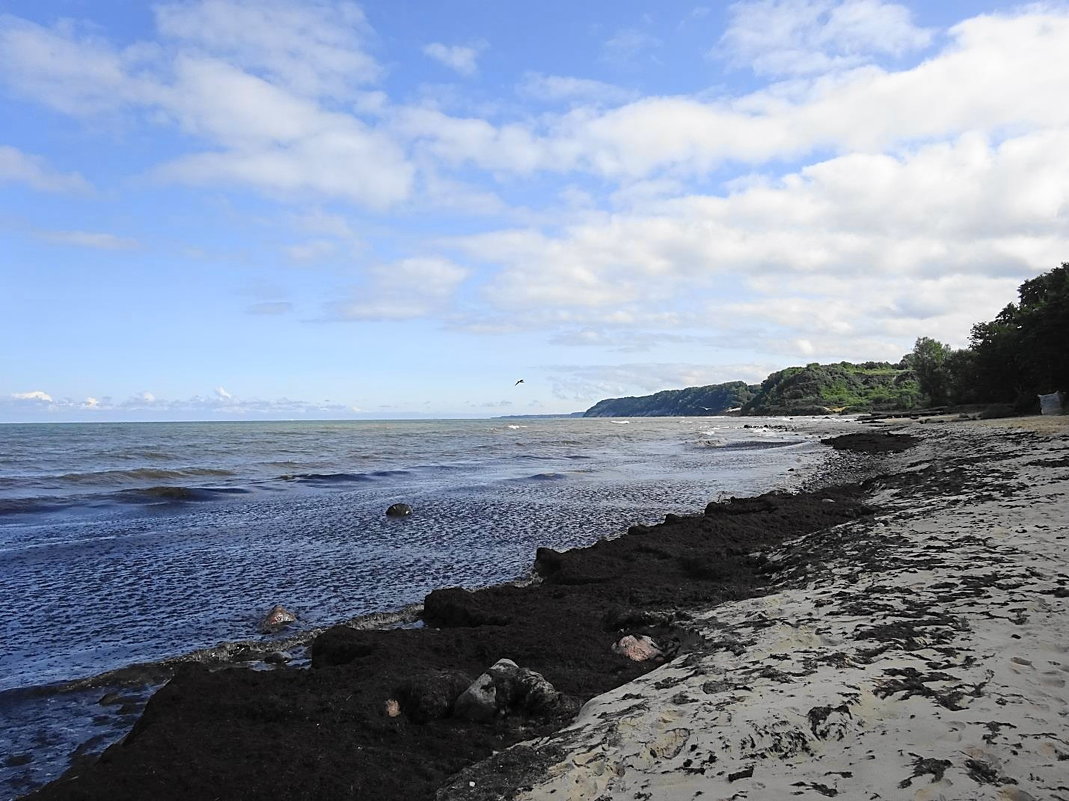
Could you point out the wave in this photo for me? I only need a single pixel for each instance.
(138, 474)
(542, 477)
(178, 494)
(331, 479)
(15, 506)
(744, 444)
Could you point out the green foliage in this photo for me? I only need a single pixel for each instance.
(842, 387)
(929, 362)
(690, 402)
(1023, 351)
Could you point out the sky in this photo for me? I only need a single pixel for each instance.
(272, 209)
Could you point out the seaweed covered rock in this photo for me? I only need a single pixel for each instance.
(503, 689)
(455, 606)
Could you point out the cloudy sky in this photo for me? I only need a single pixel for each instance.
(306, 208)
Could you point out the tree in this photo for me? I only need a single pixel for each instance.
(928, 360)
(1023, 352)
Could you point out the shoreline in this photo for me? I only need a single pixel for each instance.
(757, 688)
(822, 427)
(925, 658)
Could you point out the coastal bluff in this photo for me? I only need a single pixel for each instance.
(813, 389)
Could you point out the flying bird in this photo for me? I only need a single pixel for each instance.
(518, 383)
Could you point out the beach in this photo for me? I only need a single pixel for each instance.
(926, 658)
(900, 635)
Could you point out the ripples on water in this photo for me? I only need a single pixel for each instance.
(123, 543)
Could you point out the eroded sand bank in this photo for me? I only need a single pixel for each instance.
(925, 658)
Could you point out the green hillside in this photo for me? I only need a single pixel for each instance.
(690, 402)
(843, 387)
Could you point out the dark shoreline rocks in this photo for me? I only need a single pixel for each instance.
(331, 731)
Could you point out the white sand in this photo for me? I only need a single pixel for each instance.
(927, 660)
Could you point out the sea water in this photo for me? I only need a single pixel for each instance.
(134, 542)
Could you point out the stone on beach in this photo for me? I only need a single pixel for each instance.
(505, 687)
(637, 649)
(277, 619)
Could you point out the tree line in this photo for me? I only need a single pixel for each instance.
(1012, 359)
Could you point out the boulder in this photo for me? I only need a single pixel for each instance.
(399, 510)
(503, 689)
(277, 619)
(637, 649)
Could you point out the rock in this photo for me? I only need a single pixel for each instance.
(399, 510)
(548, 561)
(278, 618)
(478, 701)
(278, 658)
(392, 708)
(430, 695)
(637, 649)
(506, 688)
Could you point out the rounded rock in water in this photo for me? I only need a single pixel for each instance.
(278, 618)
(399, 510)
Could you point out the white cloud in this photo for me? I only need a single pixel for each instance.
(311, 250)
(561, 88)
(456, 57)
(72, 70)
(19, 167)
(279, 142)
(628, 44)
(975, 83)
(840, 251)
(262, 117)
(91, 239)
(145, 406)
(402, 290)
(799, 37)
(607, 381)
(312, 48)
(36, 395)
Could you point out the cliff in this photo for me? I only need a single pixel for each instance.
(842, 387)
(690, 402)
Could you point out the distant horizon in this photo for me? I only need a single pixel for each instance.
(281, 209)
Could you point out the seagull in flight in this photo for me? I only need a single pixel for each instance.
(518, 383)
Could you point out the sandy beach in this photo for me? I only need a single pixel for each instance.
(926, 658)
(900, 636)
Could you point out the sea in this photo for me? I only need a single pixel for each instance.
(125, 543)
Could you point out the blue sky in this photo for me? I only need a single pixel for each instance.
(248, 209)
